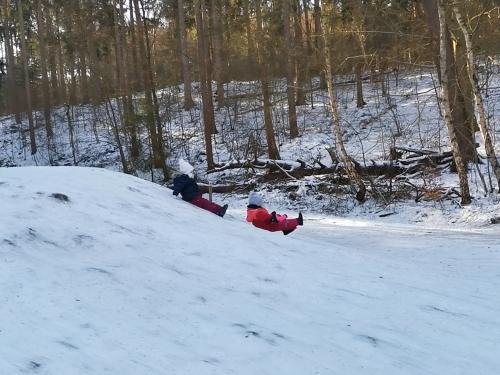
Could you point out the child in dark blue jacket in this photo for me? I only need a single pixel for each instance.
(188, 189)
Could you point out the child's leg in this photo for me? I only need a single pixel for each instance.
(281, 218)
(290, 225)
(201, 202)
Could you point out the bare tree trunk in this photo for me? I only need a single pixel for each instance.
(156, 144)
(27, 86)
(478, 98)
(218, 54)
(249, 32)
(137, 83)
(206, 87)
(46, 98)
(460, 118)
(120, 79)
(186, 71)
(360, 102)
(289, 57)
(60, 65)
(52, 51)
(129, 117)
(272, 149)
(300, 47)
(13, 97)
(446, 67)
(319, 42)
(332, 96)
(114, 122)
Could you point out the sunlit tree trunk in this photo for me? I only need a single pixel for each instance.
(446, 71)
(460, 119)
(478, 98)
(332, 96)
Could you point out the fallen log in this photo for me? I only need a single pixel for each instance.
(227, 188)
(400, 168)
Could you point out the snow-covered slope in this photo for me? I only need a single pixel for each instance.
(126, 279)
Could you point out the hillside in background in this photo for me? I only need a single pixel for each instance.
(408, 119)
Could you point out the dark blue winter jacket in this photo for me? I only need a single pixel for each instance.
(186, 186)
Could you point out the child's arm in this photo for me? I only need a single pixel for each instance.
(263, 216)
(179, 185)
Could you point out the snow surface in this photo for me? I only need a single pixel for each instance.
(126, 279)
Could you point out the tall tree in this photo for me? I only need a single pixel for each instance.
(447, 98)
(272, 149)
(186, 71)
(460, 120)
(13, 97)
(337, 129)
(289, 61)
(218, 54)
(478, 98)
(205, 82)
(46, 92)
(249, 32)
(299, 51)
(147, 78)
(27, 85)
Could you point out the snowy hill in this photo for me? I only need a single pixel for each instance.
(124, 278)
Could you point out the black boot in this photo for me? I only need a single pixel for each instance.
(222, 210)
(300, 219)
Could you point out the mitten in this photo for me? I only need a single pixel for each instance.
(274, 219)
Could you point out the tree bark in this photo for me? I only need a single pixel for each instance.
(206, 86)
(186, 71)
(300, 47)
(272, 149)
(27, 86)
(360, 102)
(46, 97)
(158, 153)
(289, 61)
(332, 96)
(446, 71)
(13, 97)
(478, 98)
(319, 43)
(460, 118)
(218, 53)
(249, 32)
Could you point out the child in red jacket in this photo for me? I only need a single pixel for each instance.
(273, 222)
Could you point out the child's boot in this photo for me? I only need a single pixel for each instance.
(222, 210)
(300, 219)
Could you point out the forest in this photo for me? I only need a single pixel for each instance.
(373, 98)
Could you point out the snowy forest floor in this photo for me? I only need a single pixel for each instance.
(123, 278)
(407, 117)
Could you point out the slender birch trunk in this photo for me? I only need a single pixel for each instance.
(332, 96)
(478, 98)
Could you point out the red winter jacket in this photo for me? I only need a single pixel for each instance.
(261, 218)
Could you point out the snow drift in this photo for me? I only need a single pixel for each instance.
(104, 273)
